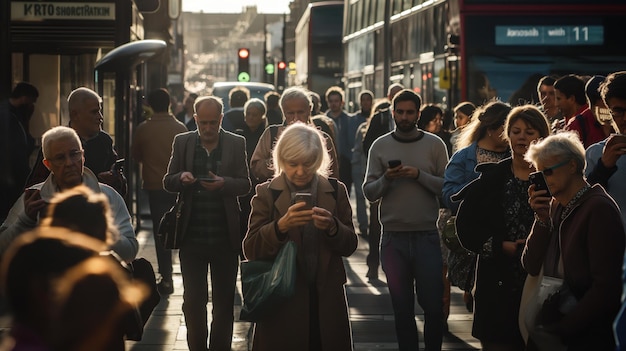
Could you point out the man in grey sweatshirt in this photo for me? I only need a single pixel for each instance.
(408, 192)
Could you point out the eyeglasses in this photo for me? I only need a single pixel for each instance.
(59, 160)
(550, 170)
(618, 112)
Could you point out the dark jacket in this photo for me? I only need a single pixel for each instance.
(16, 145)
(498, 290)
(480, 217)
(233, 168)
(99, 152)
(191, 125)
(379, 125)
(234, 119)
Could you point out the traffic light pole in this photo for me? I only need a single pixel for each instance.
(284, 49)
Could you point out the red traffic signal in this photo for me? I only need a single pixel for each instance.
(282, 65)
(243, 53)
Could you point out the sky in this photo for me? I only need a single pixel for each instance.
(235, 6)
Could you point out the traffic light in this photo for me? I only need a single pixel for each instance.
(243, 55)
(269, 71)
(280, 75)
(292, 68)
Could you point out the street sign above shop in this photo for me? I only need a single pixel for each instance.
(37, 11)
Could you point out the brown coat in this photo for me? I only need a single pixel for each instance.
(288, 327)
(592, 244)
(152, 146)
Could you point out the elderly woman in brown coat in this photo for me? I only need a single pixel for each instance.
(316, 317)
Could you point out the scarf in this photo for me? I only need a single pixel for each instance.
(310, 235)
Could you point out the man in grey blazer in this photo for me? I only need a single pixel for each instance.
(208, 169)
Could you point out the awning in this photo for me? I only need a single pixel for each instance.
(130, 55)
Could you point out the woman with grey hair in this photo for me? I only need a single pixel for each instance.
(256, 103)
(578, 236)
(316, 316)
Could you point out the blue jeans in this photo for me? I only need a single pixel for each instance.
(194, 264)
(413, 265)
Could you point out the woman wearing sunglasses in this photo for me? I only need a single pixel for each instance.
(493, 221)
(578, 236)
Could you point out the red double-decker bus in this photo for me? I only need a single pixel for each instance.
(455, 50)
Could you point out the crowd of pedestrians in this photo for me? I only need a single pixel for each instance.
(531, 191)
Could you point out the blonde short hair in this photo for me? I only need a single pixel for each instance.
(301, 143)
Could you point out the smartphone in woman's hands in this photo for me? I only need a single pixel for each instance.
(538, 179)
(306, 198)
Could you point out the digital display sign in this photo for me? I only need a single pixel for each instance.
(550, 35)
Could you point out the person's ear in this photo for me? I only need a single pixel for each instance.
(46, 163)
(572, 166)
(73, 114)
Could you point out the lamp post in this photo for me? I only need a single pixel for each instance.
(387, 49)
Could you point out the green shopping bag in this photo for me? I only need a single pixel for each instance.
(265, 283)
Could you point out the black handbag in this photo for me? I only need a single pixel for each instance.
(450, 238)
(170, 228)
(265, 283)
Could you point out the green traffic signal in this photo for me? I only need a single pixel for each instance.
(269, 68)
(243, 77)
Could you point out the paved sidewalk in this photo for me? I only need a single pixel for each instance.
(370, 308)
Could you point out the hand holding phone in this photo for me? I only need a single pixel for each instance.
(614, 148)
(616, 139)
(538, 179)
(209, 182)
(34, 205)
(117, 166)
(394, 163)
(306, 198)
(207, 179)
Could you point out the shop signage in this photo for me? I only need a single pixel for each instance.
(37, 11)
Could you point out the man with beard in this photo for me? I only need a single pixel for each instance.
(17, 143)
(379, 123)
(405, 172)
